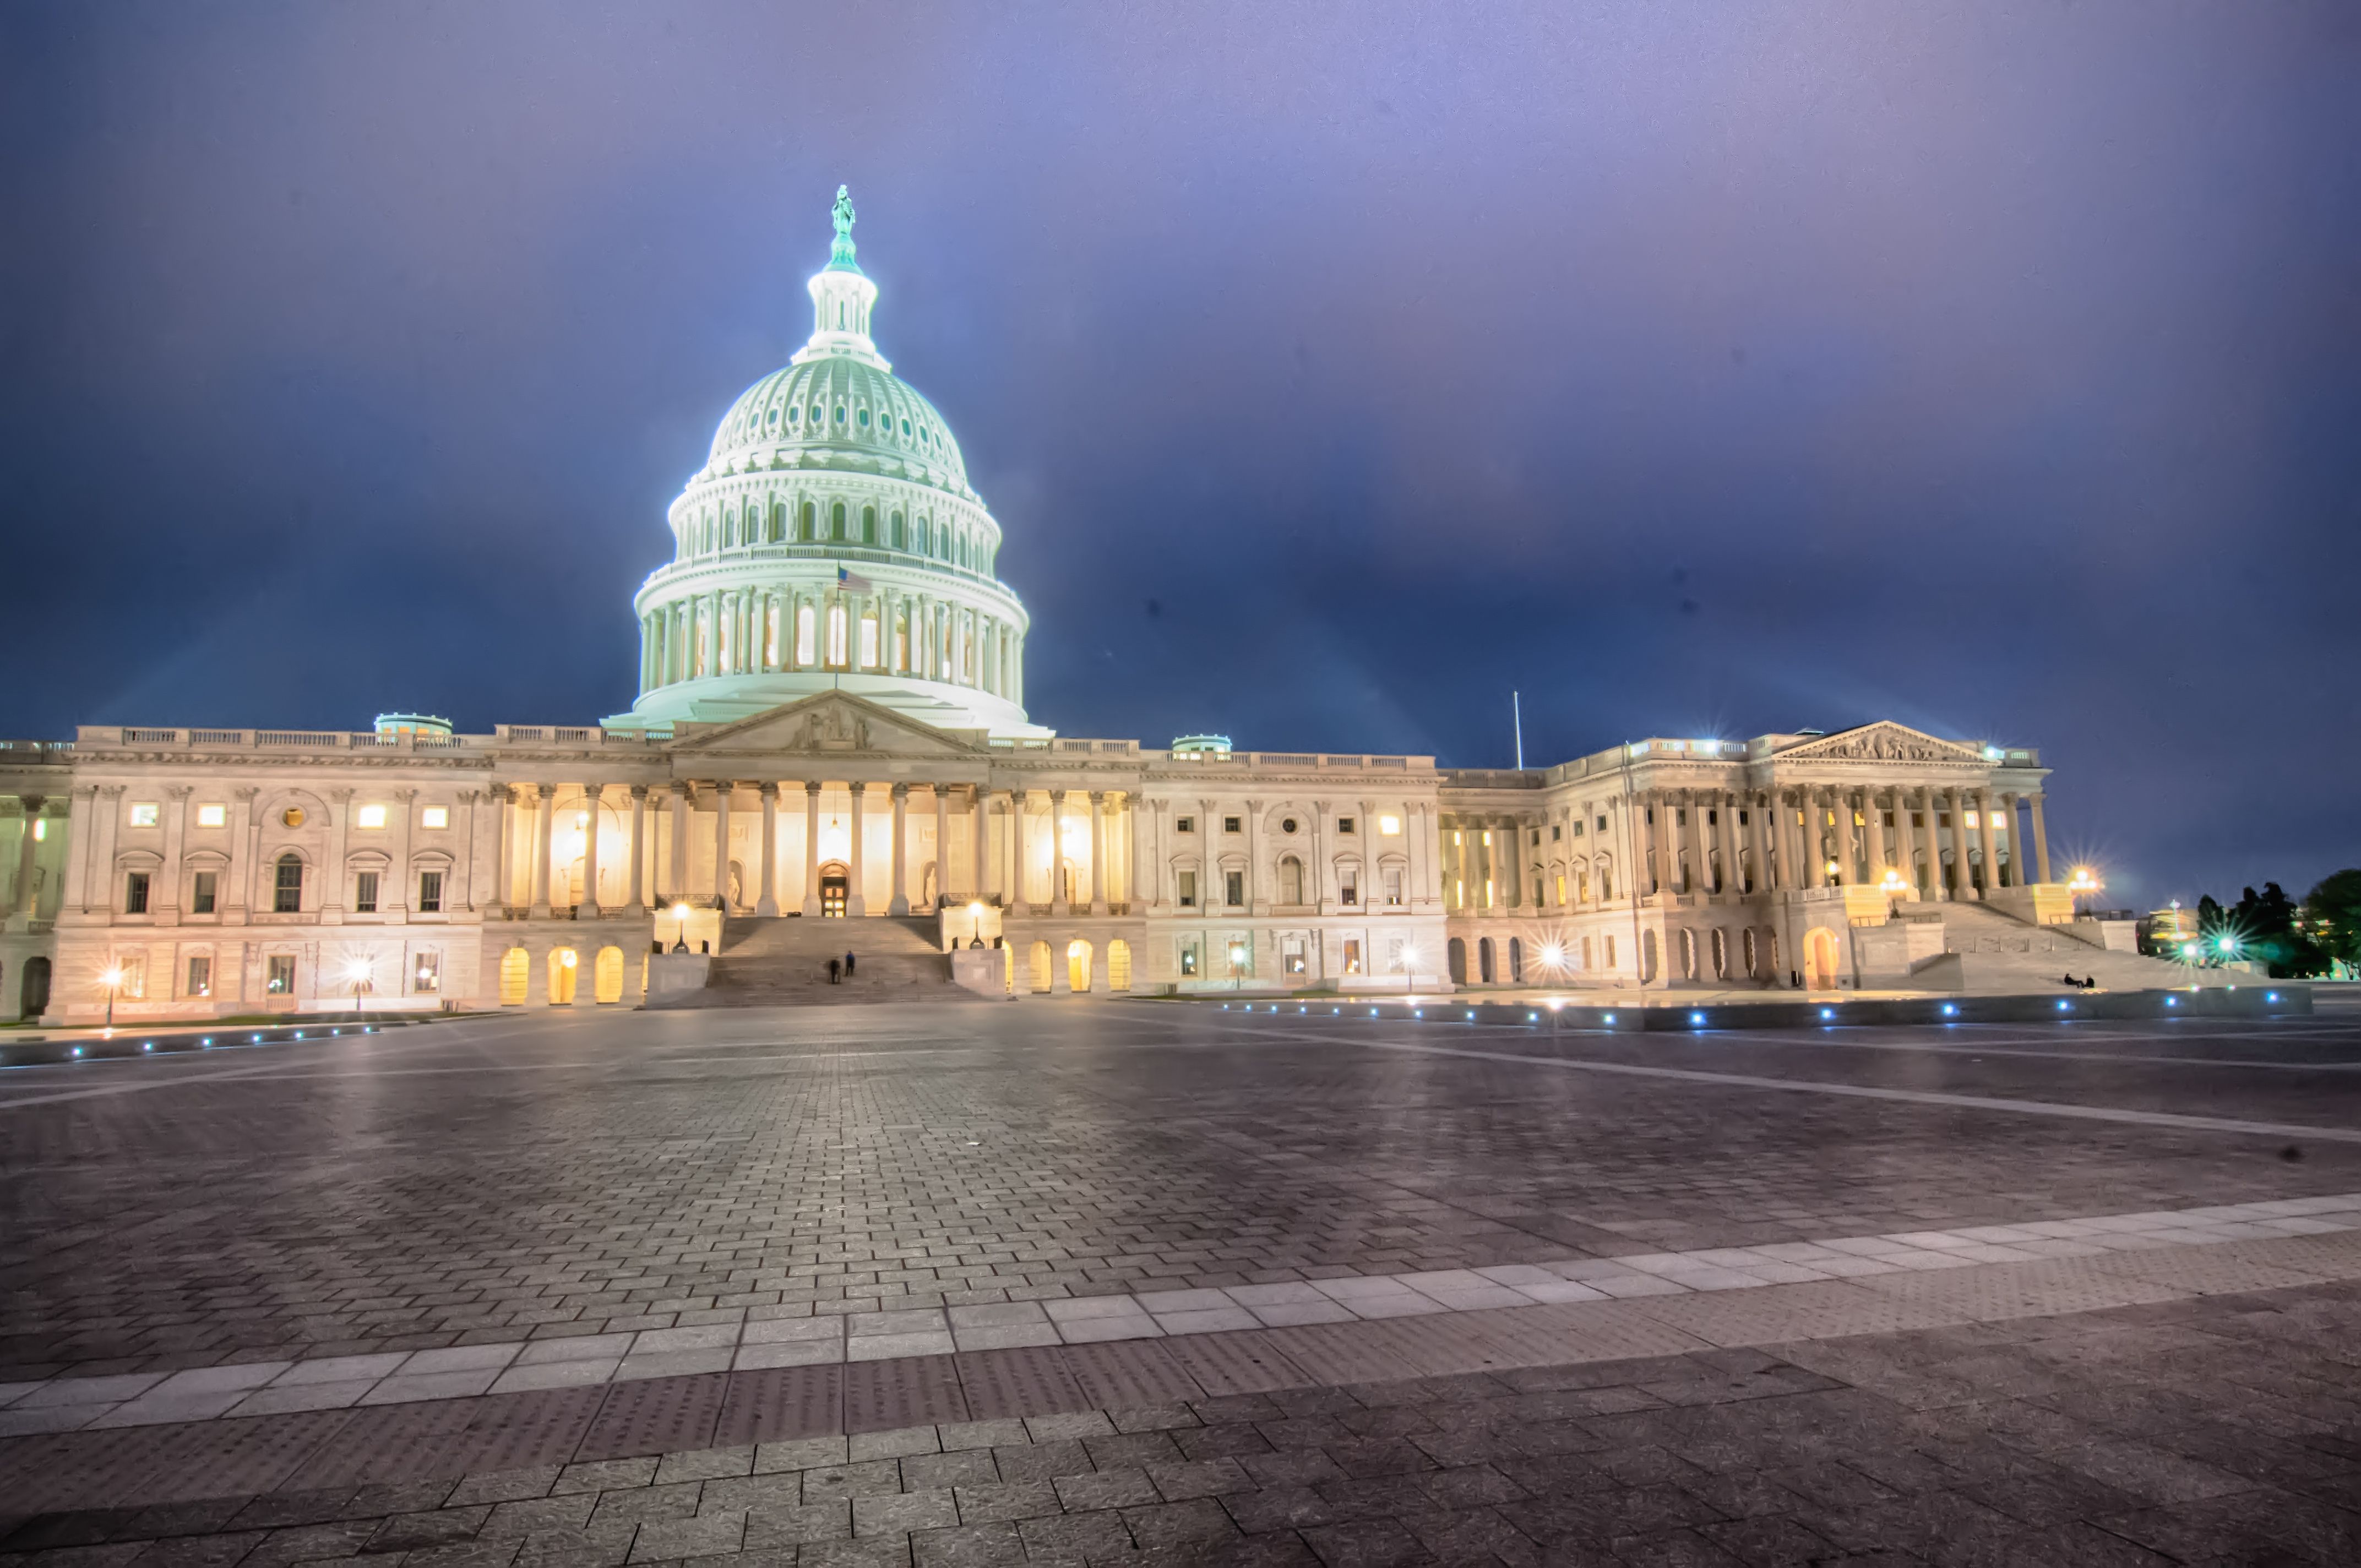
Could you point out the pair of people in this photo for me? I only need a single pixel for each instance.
(839, 967)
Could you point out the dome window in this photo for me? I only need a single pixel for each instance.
(906, 427)
(864, 418)
(819, 414)
(839, 414)
(795, 416)
(774, 416)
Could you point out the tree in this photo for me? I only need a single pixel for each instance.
(2266, 928)
(2332, 916)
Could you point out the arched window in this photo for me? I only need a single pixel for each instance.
(287, 889)
(778, 522)
(836, 513)
(1291, 880)
(1484, 959)
(868, 522)
(810, 523)
(1516, 961)
(803, 655)
(901, 539)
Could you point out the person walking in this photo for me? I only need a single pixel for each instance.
(831, 971)
(848, 966)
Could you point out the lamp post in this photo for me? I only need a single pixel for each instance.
(112, 976)
(1409, 968)
(1237, 964)
(358, 971)
(2084, 883)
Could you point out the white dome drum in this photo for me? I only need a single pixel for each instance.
(832, 541)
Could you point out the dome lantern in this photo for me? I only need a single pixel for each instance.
(841, 298)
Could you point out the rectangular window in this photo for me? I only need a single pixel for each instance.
(1394, 960)
(1557, 832)
(371, 816)
(1602, 823)
(202, 897)
(430, 892)
(201, 977)
(134, 983)
(1352, 955)
(435, 817)
(280, 979)
(1610, 952)
(1348, 888)
(1343, 825)
(365, 893)
(426, 974)
(1389, 827)
(1237, 886)
(213, 816)
(1290, 956)
(1184, 824)
(1188, 890)
(1187, 959)
(1393, 885)
(868, 641)
(143, 814)
(1229, 824)
(134, 894)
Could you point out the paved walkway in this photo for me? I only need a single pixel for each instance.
(986, 1286)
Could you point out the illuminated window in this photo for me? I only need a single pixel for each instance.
(201, 977)
(280, 981)
(426, 974)
(836, 513)
(864, 418)
(804, 632)
(1389, 827)
(143, 814)
(836, 623)
(213, 816)
(1237, 887)
(869, 525)
(435, 817)
(1187, 959)
(1393, 885)
(1352, 955)
(372, 816)
(868, 641)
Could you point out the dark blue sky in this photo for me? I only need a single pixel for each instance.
(1697, 370)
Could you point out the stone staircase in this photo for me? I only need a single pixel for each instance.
(2000, 953)
(783, 962)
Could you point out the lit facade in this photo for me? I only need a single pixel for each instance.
(830, 723)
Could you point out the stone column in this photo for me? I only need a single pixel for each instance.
(2041, 837)
(856, 900)
(1984, 841)
(545, 830)
(1257, 903)
(811, 847)
(767, 904)
(1906, 838)
(243, 829)
(1058, 901)
(1098, 852)
(500, 797)
(1733, 853)
(900, 902)
(1323, 885)
(722, 790)
(1958, 881)
(1847, 868)
(677, 808)
(1018, 799)
(1700, 802)
(980, 848)
(637, 903)
(591, 794)
(1874, 843)
(942, 849)
(21, 901)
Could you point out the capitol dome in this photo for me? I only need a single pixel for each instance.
(832, 541)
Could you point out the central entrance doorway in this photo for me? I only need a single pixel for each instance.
(832, 889)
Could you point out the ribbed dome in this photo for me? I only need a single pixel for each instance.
(841, 412)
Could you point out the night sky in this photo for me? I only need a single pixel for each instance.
(1695, 370)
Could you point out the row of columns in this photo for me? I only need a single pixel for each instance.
(540, 801)
(739, 632)
(1796, 854)
(20, 909)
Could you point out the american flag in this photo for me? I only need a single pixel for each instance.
(852, 582)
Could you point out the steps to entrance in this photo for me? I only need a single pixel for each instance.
(1999, 952)
(783, 961)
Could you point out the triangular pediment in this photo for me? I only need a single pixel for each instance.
(1883, 741)
(830, 724)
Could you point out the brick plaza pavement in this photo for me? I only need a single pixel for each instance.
(288, 1304)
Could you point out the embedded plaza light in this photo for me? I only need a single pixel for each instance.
(1696, 1018)
(1951, 1009)
(1610, 1017)
(2064, 1005)
(1827, 1013)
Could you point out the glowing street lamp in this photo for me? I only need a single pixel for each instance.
(1238, 963)
(1409, 968)
(112, 978)
(357, 971)
(2084, 883)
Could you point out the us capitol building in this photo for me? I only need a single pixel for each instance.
(830, 725)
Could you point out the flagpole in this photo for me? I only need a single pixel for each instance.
(1517, 708)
